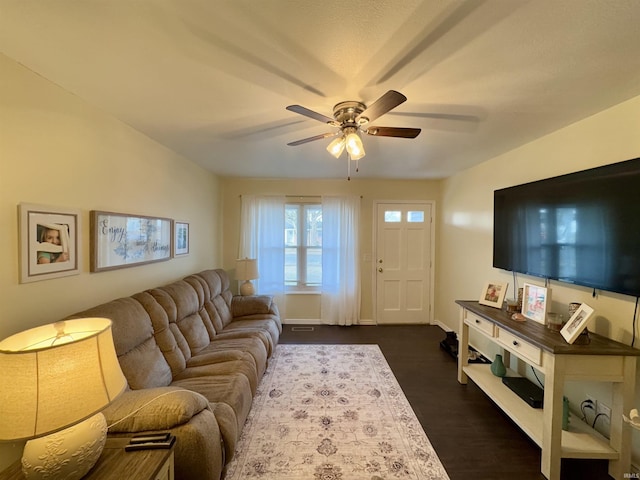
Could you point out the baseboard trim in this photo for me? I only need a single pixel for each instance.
(301, 321)
(317, 321)
(443, 326)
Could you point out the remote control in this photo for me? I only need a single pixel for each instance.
(154, 437)
(150, 445)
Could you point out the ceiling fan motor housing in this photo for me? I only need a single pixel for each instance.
(347, 112)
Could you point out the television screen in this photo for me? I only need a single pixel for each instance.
(581, 228)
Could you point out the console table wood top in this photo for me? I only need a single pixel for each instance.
(547, 339)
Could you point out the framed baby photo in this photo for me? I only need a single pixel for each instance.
(49, 242)
(493, 294)
(573, 328)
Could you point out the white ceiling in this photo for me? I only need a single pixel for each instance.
(210, 79)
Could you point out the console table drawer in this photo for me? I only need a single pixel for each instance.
(519, 346)
(480, 323)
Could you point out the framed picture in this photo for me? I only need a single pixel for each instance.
(180, 238)
(120, 240)
(576, 323)
(49, 242)
(535, 300)
(493, 294)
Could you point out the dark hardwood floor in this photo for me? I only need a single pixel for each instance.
(471, 435)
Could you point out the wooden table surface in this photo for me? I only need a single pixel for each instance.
(114, 463)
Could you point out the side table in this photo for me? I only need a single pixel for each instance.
(117, 464)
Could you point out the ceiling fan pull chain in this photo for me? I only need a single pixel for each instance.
(348, 166)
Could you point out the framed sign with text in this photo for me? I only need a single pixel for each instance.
(121, 240)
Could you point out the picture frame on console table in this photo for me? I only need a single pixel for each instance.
(120, 240)
(535, 301)
(493, 294)
(574, 327)
(49, 242)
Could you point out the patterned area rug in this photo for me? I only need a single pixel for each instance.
(332, 412)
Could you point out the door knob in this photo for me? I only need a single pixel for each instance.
(380, 269)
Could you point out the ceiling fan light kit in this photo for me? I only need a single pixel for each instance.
(336, 147)
(351, 117)
(354, 146)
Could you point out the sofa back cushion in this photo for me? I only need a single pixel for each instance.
(163, 333)
(139, 355)
(218, 299)
(187, 316)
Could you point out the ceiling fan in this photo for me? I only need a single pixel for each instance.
(351, 117)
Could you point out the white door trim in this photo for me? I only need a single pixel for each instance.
(374, 282)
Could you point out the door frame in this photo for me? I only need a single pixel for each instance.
(374, 283)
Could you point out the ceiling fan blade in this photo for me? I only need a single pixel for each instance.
(311, 139)
(311, 114)
(393, 132)
(386, 102)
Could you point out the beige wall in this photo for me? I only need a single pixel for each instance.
(56, 150)
(466, 222)
(307, 306)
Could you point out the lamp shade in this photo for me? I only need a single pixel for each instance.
(57, 375)
(247, 269)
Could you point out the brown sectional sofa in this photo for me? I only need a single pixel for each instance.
(193, 355)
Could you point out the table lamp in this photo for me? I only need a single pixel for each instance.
(54, 382)
(247, 270)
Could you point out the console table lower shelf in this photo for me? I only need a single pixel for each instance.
(580, 441)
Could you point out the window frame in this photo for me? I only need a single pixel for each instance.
(301, 246)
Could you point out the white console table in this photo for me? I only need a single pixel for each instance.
(602, 360)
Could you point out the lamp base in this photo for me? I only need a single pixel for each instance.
(67, 454)
(247, 288)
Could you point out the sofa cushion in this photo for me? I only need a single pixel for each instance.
(153, 409)
(233, 389)
(139, 355)
(268, 328)
(162, 332)
(251, 305)
(212, 364)
(182, 305)
(256, 345)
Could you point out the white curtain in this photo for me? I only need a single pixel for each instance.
(340, 255)
(262, 238)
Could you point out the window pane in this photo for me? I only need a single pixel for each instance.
(392, 216)
(290, 266)
(313, 226)
(415, 216)
(291, 216)
(314, 266)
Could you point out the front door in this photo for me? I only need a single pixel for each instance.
(403, 262)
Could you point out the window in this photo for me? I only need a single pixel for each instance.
(303, 246)
(393, 216)
(415, 216)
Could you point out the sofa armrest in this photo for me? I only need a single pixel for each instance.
(242, 306)
(153, 409)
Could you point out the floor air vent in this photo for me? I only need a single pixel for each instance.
(302, 329)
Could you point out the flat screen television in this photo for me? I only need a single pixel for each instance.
(581, 228)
